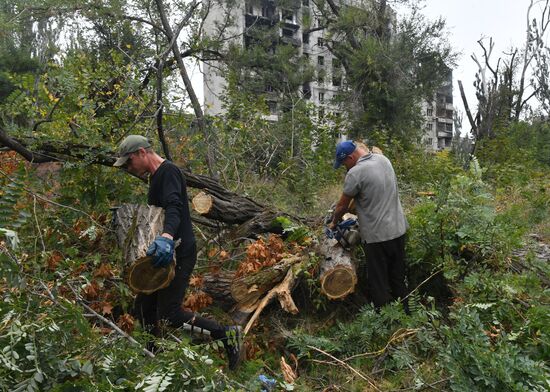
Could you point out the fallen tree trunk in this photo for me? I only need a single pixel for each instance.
(60, 151)
(337, 275)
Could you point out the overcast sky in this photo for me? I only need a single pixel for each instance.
(467, 22)
(470, 20)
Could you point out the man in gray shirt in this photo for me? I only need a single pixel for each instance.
(371, 181)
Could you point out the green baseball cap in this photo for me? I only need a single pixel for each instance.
(130, 144)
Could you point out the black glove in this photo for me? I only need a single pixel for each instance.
(162, 250)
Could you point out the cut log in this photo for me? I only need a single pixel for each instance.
(136, 227)
(337, 275)
(233, 210)
(202, 203)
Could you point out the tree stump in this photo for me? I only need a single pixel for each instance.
(337, 275)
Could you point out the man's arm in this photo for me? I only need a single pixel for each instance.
(172, 200)
(341, 208)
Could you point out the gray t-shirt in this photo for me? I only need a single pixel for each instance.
(373, 185)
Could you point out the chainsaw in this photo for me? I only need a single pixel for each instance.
(345, 232)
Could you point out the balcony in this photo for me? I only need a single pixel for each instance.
(258, 20)
(445, 134)
(445, 120)
(291, 41)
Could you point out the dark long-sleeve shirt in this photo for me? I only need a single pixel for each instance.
(167, 189)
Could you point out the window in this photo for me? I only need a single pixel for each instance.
(336, 80)
(305, 38)
(336, 64)
(449, 127)
(272, 105)
(429, 141)
(449, 114)
(305, 3)
(249, 8)
(429, 112)
(306, 90)
(321, 97)
(288, 15)
(320, 42)
(269, 88)
(306, 56)
(320, 60)
(430, 127)
(321, 112)
(320, 79)
(288, 33)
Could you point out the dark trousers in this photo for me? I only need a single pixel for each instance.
(164, 305)
(386, 271)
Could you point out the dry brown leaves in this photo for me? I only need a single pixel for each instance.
(196, 300)
(10, 161)
(126, 323)
(260, 254)
(196, 281)
(91, 291)
(53, 260)
(288, 373)
(104, 271)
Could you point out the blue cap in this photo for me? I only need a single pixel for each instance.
(343, 149)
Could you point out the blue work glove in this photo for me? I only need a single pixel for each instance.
(162, 250)
(329, 233)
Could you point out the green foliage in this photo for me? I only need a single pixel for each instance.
(388, 73)
(459, 229)
(286, 162)
(12, 199)
(475, 362)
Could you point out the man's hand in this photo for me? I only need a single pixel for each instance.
(162, 250)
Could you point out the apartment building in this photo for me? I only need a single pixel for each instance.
(439, 116)
(287, 22)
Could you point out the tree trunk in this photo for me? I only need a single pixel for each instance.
(228, 210)
(337, 273)
(218, 286)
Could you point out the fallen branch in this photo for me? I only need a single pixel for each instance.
(345, 365)
(110, 323)
(282, 292)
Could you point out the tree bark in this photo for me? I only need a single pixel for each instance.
(136, 227)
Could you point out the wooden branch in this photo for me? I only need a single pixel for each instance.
(247, 290)
(197, 108)
(160, 108)
(110, 323)
(347, 366)
(23, 151)
(282, 292)
(467, 108)
(48, 117)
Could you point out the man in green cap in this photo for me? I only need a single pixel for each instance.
(167, 189)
